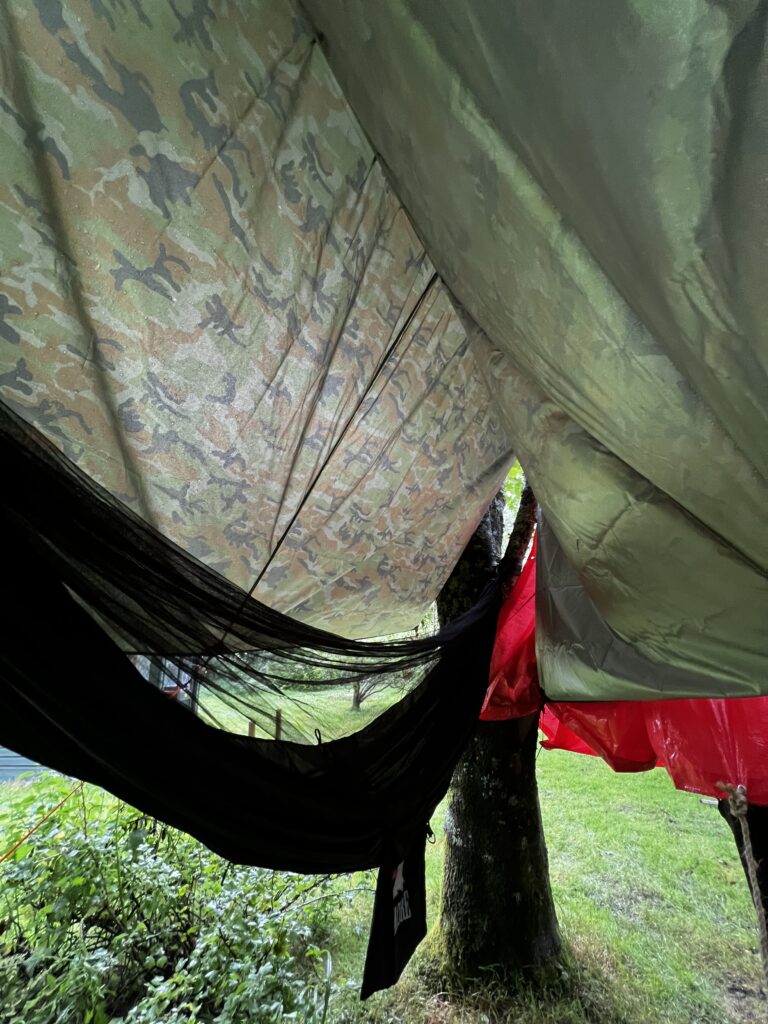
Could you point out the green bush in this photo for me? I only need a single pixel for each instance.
(106, 915)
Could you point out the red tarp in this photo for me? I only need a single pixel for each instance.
(514, 687)
(698, 742)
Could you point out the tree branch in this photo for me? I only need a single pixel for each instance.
(511, 565)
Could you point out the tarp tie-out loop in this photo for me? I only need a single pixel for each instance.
(739, 806)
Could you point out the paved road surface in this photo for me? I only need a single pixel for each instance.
(12, 765)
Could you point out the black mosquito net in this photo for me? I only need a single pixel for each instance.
(88, 583)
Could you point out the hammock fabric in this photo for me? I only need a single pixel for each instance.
(74, 701)
(699, 742)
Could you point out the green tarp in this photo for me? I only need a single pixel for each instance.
(591, 182)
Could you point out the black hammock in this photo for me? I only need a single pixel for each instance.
(87, 580)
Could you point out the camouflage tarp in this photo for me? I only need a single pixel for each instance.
(590, 180)
(202, 273)
(203, 265)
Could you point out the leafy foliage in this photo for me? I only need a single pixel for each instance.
(513, 487)
(106, 915)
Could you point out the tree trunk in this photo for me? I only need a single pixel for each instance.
(356, 696)
(497, 909)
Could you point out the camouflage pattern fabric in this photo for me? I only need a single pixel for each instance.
(212, 301)
(590, 180)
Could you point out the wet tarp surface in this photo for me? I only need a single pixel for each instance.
(590, 182)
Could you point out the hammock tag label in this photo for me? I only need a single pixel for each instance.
(399, 919)
(401, 905)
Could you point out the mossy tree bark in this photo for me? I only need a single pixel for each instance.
(497, 909)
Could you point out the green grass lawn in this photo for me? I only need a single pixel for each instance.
(650, 894)
(653, 906)
(649, 878)
(303, 710)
